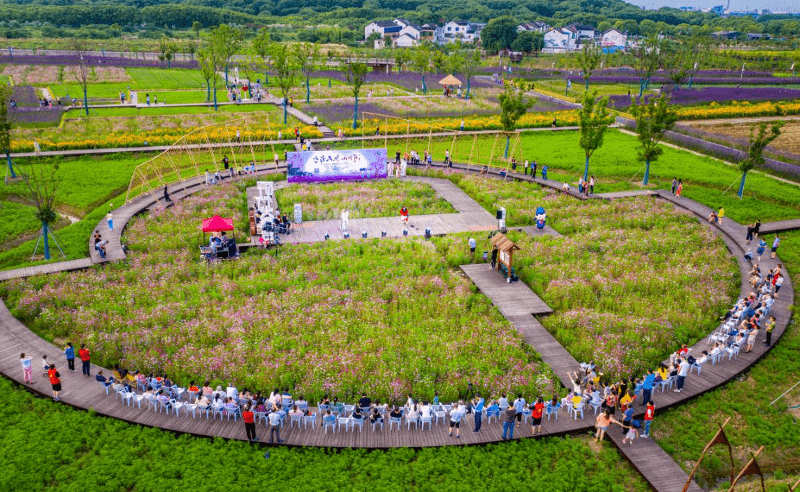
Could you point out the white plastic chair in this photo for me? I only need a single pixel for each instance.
(311, 418)
(596, 403)
(733, 351)
(394, 420)
(177, 405)
(348, 410)
(128, 397)
(377, 422)
(698, 366)
(357, 422)
(329, 421)
(295, 419)
(104, 386)
(552, 410)
(492, 414)
(441, 415)
(426, 420)
(190, 407)
(409, 422)
(578, 409)
(138, 400)
(343, 421)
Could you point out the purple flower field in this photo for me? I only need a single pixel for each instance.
(92, 60)
(705, 95)
(406, 79)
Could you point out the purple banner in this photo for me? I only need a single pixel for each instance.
(336, 165)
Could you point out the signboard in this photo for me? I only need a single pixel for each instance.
(336, 165)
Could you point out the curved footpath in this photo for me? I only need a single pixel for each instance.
(645, 455)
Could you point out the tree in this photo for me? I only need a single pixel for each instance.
(421, 61)
(262, 45)
(647, 58)
(41, 185)
(285, 73)
(5, 127)
(78, 46)
(225, 42)
(197, 27)
(499, 34)
(758, 141)
(306, 56)
(440, 61)
(589, 59)
(356, 74)
(167, 50)
(698, 54)
(207, 60)
(528, 42)
(594, 119)
(401, 57)
(512, 107)
(470, 64)
(653, 119)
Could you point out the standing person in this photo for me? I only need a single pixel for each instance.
(55, 381)
(533, 170)
(627, 417)
(591, 185)
(674, 186)
(345, 218)
(45, 365)
(275, 426)
(536, 416)
(519, 406)
(762, 245)
(147, 98)
(225, 161)
(472, 245)
(778, 284)
(757, 227)
(649, 413)
(509, 416)
(679, 190)
(683, 371)
(720, 214)
(166, 195)
(456, 414)
(249, 423)
(404, 214)
(647, 386)
(110, 219)
(630, 434)
(69, 351)
(770, 327)
(27, 368)
(603, 421)
(36, 147)
(447, 158)
(775, 243)
(277, 159)
(514, 163)
(525, 167)
(83, 353)
(477, 408)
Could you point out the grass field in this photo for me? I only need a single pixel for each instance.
(16, 219)
(789, 139)
(143, 80)
(578, 88)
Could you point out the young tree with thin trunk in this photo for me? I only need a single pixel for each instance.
(512, 107)
(356, 73)
(306, 58)
(653, 119)
(647, 58)
(226, 41)
(167, 50)
(589, 59)
(760, 137)
(78, 46)
(207, 60)
(5, 127)
(41, 186)
(262, 45)
(467, 63)
(421, 61)
(285, 73)
(594, 118)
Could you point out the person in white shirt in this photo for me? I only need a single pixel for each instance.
(426, 411)
(456, 414)
(275, 426)
(503, 402)
(232, 392)
(345, 218)
(683, 371)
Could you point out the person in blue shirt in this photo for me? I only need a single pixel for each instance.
(477, 407)
(627, 417)
(69, 351)
(647, 386)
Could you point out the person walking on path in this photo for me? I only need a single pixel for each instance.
(477, 408)
(249, 423)
(649, 413)
(27, 368)
(679, 190)
(403, 214)
(630, 433)
(519, 406)
(762, 245)
(627, 417)
(45, 365)
(720, 215)
(275, 427)
(69, 351)
(525, 166)
(83, 353)
(603, 421)
(509, 417)
(683, 371)
(591, 185)
(674, 186)
(345, 219)
(472, 245)
(533, 170)
(775, 243)
(110, 219)
(536, 416)
(55, 381)
(166, 195)
(769, 328)
(456, 414)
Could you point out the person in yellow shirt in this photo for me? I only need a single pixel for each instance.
(628, 398)
(720, 214)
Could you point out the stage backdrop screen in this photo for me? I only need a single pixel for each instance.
(336, 165)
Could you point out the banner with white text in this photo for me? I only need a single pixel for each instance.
(336, 165)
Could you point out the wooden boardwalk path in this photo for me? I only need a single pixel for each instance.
(779, 226)
(655, 465)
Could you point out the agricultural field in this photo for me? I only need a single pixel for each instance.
(362, 200)
(140, 80)
(788, 141)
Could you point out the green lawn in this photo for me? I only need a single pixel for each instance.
(144, 80)
(16, 219)
(177, 110)
(578, 88)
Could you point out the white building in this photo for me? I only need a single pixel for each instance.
(584, 32)
(559, 40)
(411, 30)
(613, 37)
(405, 41)
(432, 33)
(456, 29)
(384, 28)
(536, 26)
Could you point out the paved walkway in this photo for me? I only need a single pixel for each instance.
(779, 226)
(656, 466)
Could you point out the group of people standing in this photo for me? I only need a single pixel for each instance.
(49, 368)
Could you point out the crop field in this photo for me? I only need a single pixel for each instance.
(788, 141)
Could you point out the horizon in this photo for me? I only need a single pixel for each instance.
(790, 6)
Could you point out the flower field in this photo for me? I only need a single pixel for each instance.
(788, 141)
(386, 317)
(382, 198)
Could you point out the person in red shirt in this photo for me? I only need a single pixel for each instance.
(649, 413)
(249, 423)
(536, 417)
(55, 381)
(83, 353)
(404, 214)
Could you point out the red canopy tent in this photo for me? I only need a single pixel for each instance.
(217, 224)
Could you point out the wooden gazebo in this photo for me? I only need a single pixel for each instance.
(505, 249)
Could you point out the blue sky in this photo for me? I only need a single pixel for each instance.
(774, 5)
